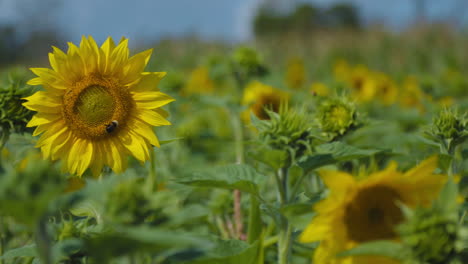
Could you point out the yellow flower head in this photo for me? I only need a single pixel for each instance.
(319, 89)
(411, 95)
(259, 96)
(295, 73)
(385, 88)
(359, 211)
(199, 82)
(97, 107)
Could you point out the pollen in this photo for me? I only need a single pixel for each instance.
(93, 104)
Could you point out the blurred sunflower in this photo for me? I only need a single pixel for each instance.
(319, 89)
(411, 95)
(97, 107)
(295, 73)
(199, 82)
(359, 211)
(258, 96)
(385, 88)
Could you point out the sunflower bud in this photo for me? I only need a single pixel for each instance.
(127, 203)
(434, 235)
(247, 64)
(449, 129)
(289, 130)
(13, 115)
(336, 116)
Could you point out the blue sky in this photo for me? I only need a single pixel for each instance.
(218, 19)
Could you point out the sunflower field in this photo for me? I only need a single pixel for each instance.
(343, 147)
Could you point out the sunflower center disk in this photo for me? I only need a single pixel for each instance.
(373, 214)
(95, 106)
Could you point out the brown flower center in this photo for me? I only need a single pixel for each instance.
(93, 104)
(373, 214)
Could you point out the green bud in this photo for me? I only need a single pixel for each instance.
(28, 187)
(13, 115)
(127, 203)
(247, 64)
(430, 236)
(449, 128)
(289, 130)
(336, 116)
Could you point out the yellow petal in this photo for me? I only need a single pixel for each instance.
(86, 157)
(152, 117)
(422, 170)
(152, 100)
(145, 131)
(42, 118)
(43, 102)
(135, 65)
(336, 181)
(133, 144)
(148, 82)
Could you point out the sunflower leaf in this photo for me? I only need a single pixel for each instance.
(231, 252)
(331, 153)
(242, 177)
(24, 251)
(376, 248)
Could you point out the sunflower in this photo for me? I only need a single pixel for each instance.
(295, 73)
(359, 211)
(259, 96)
(199, 82)
(97, 107)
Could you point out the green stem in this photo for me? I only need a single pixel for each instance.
(255, 220)
(2, 239)
(284, 243)
(43, 241)
(239, 146)
(152, 179)
(238, 136)
(285, 228)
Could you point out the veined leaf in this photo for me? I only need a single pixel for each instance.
(331, 153)
(240, 176)
(377, 248)
(231, 252)
(24, 251)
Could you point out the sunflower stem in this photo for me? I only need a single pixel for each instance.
(285, 228)
(239, 146)
(2, 239)
(153, 181)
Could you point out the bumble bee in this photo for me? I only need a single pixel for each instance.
(112, 126)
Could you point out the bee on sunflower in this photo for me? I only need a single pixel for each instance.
(98, 106)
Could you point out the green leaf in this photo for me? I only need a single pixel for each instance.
(25, 251)
(447, 200)
(331, 153)
(240, 176)
(126, 240)
(376, 248)
(164, 142)
(231, 252)
(274, 158)
(444, 162)
(299, 214)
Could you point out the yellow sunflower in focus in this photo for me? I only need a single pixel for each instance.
(97, 107)
(359, 211)
(258, 97)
